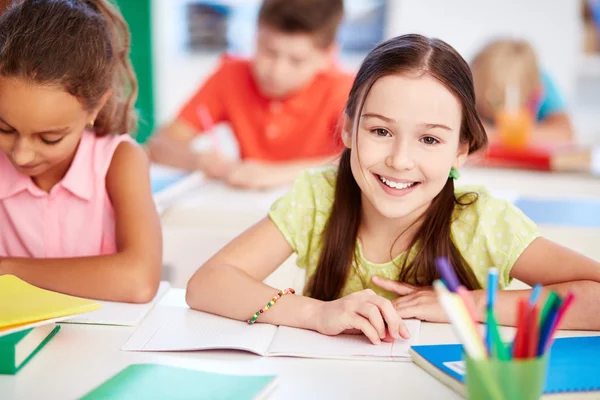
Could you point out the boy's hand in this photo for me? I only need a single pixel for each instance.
(414, 302)
(251, 175)
(215, 165)
(362, 311)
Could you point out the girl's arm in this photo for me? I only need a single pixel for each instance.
(130, 275)
(230, 284)
(263, 175)
(562, 270)
(171, 146)
(556, 128)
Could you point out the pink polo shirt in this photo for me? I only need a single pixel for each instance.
(75, 219)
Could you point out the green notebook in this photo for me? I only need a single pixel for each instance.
(16, 349)
(153, 381)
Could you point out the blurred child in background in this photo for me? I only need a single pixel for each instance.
(283, 105)
(511, 89)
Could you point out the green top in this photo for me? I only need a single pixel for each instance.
(489, 232)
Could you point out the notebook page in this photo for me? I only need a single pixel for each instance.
(123, 314)
(180, 328)
(304, 343)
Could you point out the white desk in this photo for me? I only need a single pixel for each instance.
(533, 183)
(80, 357)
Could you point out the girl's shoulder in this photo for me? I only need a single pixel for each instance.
(490, 231)
(315, 187)
(479, 213)
(102, 149)
(478, 200)
(302, 213)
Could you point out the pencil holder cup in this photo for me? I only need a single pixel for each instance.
(493, 379)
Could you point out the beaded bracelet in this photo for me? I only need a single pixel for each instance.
(270, 304)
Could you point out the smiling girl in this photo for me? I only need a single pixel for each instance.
(369, 230)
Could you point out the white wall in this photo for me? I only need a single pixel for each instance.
(554, 27)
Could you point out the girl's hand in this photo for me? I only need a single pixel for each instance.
(362, 311)
(414, 302)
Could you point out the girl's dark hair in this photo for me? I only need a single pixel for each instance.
(79, 45)
(403, 54)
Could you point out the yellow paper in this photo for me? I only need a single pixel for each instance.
(22, 303)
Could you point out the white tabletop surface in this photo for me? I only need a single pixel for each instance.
(80, 357)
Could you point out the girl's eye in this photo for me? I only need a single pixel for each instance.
(430, 140)
(7, 131)
(381, 132)
(51, 142)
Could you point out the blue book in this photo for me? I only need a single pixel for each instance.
(155, 381)
(573, 367)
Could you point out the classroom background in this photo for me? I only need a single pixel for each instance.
(177, 44)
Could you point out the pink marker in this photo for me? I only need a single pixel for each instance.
(208, 124)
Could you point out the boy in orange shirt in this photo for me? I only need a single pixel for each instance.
(284, 105)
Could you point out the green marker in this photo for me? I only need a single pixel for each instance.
(499, 350)
(551, 301)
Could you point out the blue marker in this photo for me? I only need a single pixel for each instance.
(535, 294)
(492, 287)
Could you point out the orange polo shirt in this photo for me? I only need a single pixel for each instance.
(305, 124)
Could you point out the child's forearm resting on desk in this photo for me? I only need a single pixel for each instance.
(171, 146)
(118, 277)
(228, 291)
(262, 175)
(287, 172)
(176, 154)
(555, 128)
(584, 314)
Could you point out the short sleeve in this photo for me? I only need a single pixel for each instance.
(209, 99)
(302, 213)
(552, 101)
(494, 233)
(105, 150)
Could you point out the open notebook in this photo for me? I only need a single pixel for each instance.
(180, 329)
